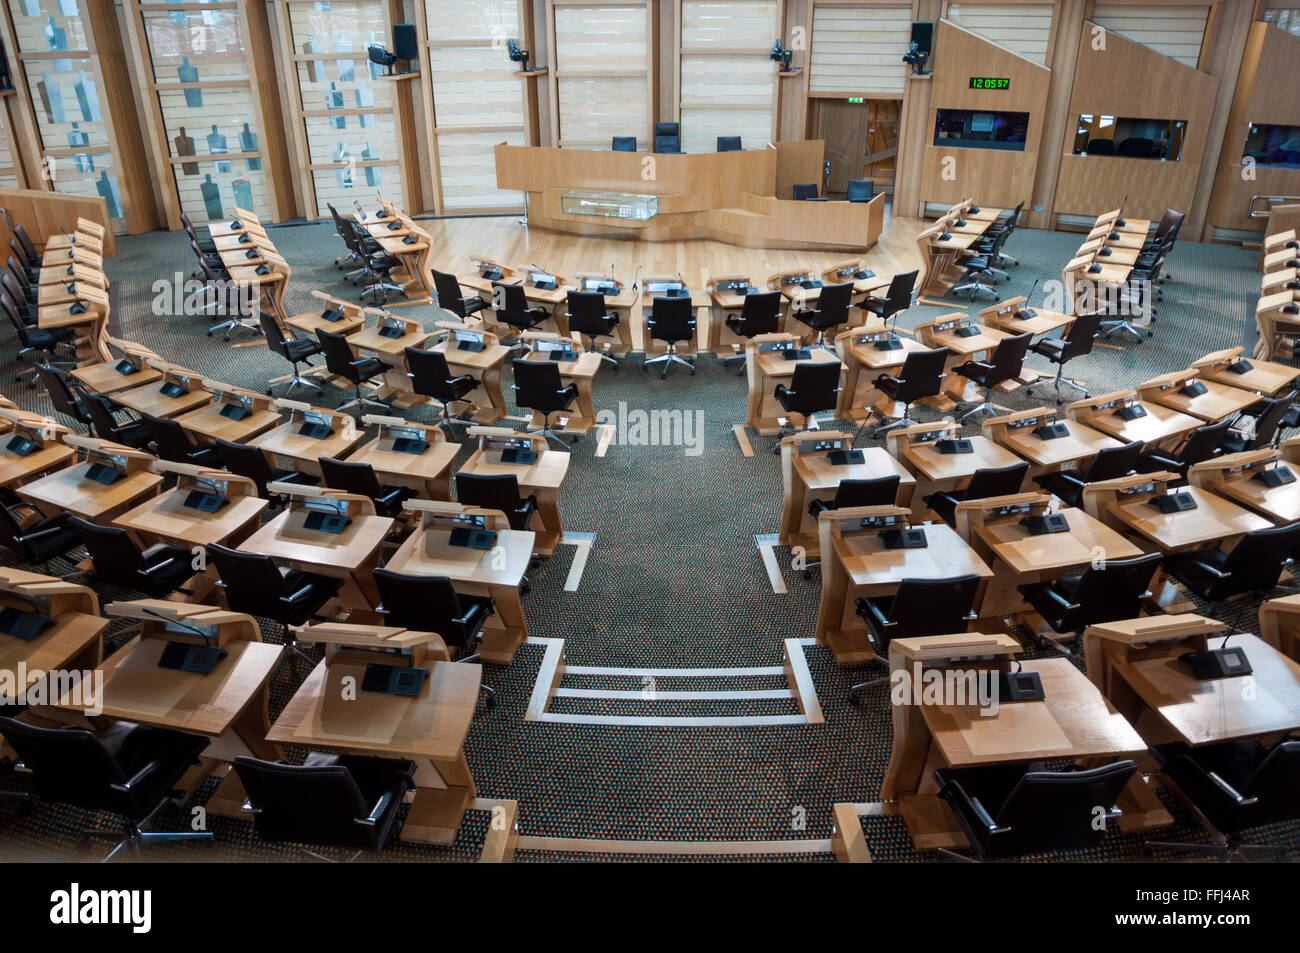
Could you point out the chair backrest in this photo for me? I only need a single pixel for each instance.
(587, 313)
(761, 313)
(1255, 563)
(667, 137)
(1137, 147)
(860, 190)
(65, 400)
(1276, 780)
(68, 765)
(315, 804)
(338, 354)
(21, 254)
(430, 374)
(1171, 221)
(1112, 462)
(1266, 424)
(25, 240)
(728, 143)
(495, 491)
(882, 491)
(805, 190)
(931, 607)
(427, 603)
(538, 385)
(169, 438)
(1008, 358)
(350, 477)
(10, 532)
(1101, 147)
(1057, 810)
(253, 581)
(447, 290)
(833, 302)
(11, 312)
(100, 410)
(899, 296)
(274, 333)
(1079, 338)
(667, 129)
(19, 272)
(247, 461)
(624, 144)
(508, 298)
(1113, 589)
(815, 384)
(996, 481)
(922, 374)
(341, 226)
(16, 292)
(116, 557)
(671, 319)
(1204, 442)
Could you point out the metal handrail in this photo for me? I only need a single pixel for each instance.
(1252, 212)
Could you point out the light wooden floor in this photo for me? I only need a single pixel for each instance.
(505, 240)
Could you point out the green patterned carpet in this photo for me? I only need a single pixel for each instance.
(674, 579)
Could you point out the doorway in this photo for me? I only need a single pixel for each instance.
(861, 138)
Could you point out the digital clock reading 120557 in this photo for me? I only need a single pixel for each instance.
(990, 82)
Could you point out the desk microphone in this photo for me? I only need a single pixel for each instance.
(636, 277)
(682, 280)
(1029, 297)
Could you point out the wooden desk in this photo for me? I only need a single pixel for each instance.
(542, 479)
(1081, 443)
(1214, 521)
(207, 423)
(860, 398)
(497, 573)
(1008, 316)
(71, 491)
(351, 555)
(15, 469)
(938, 472)
(105, 378)
(1159, 425)
(941, 332)
(1221, 709)
(619, 304)
(303, 452)
(429, 729)
(335, 315)
(1265, 377)
(765, 370)
(148, 399)
(1232, 477)
(1218, 401)
(580, 372)
(392, 351)
(166, 517)
(72, 643)
(427, 473)
(487, 400)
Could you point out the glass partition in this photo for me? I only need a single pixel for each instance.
(981, 129)
(1273, 145)
(1097, 135)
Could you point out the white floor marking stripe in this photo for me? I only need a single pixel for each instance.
(703, 847)
(680, 672)
(671, 696)
(583, 542)
(767, 543)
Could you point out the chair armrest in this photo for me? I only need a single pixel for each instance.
(1167, 463)
(150, 570)
(38, 534)
(1060, 599)
(1240, 799)
(1070, 478)
(298, 596)
(1212, 570)
(371, 819)
(137, 777)
(976, 808)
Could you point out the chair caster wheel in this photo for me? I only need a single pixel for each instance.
(692, 372)
(268, 392)
(855, 701)
(807, 573)
(209, 334)
(490, 702)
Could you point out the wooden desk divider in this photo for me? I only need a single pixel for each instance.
(238, 397)
(1279, 625)
(843, 271)
(1214, 473)
(482, 263)
(504, 438)
(396, 428)
(302, 497)
(1280, 240)
(1282, 258)
(836, 584)
(51, 595)
(790, 279)
(39, 430)
(185, 378)
(300, 412)
(1216, 360)
(997, 428)
(1084, 410)
(139, 355)
(385, 319)
(1279, 280)
(349, 643)
(439, 514)
(350, 310)
(926, 330)
(94, 450)
(992, 510)
(966, 651)
(447, 331)
(898, 440)
(220, 626)
(192, 477)
(1135, 488)
(995, 314)
(532, 340)
(1131, 640)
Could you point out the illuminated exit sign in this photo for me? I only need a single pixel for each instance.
(856, 99)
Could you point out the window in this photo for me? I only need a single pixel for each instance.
(971, 129)
(1130, 138)
(1273, 145)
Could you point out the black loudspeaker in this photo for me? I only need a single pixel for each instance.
(922, 35)
(404, 47)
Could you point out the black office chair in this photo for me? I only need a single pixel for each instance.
(984, 483)
(831, 312)
(814, 387)
(359, 478)
(172, 442)
(431, 377)
(35, 539)
(980, 265)
(68, 399)
(1100, 147)
(881, 491)
(729, 143)
(157, 571)
(259, 586)
(760, 313)
(133, 433)
(41, 341)
(252, 462)
(667, 137)
(432, 604)
(804, 191)
(340, 360)
(1203, 443)
(1109, 464)
(860, 190)
(130, 770)
(498, 491)
(510, 304)
(332, 800)
(1107, 592)
(1137, 147)
(589, 317)
(623, 144)
(1011, 810)
(447, 290)
(538, 387)
(294, 350)
(1268, 420)
(896, 300)
(1233, 787)
(921, 376)
(1253, 565)
(1076, 343)
(920, 607)
(671, 320)
(374, 265)
(1007, 362)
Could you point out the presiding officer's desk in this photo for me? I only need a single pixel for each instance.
(541, 478)
(329, 712)
(856, 563)
(1071, 722)
(424, 468)
(497, 572)
(1230, 367)
(74, 491)
(228, 705)
(867, 352)
(767, 365)
(810, 471)
(916, 448)
(1016, 432)
(1158, 426)
(351, 555)
(1237, 477)
(301, 450)
(31, 446)
(1014, 317)
(471, 350)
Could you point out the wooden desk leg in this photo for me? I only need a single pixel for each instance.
(548, 514)
(505, 631)
(436, 813)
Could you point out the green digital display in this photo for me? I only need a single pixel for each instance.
(990, 82)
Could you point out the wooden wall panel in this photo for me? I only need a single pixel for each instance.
(1175, 31)
(857, 49)
(1024, 28)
